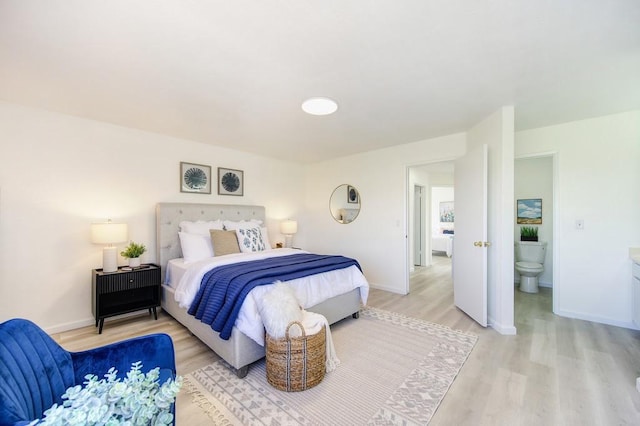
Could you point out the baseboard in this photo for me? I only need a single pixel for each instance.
(598, 319)
(69, 326)
(385, 288)
(509, 330)
(60, 328)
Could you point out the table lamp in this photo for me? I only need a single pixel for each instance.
(109, 233)
(288, 228)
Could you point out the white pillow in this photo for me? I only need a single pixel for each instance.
(278, 308)
(195, 247)
(232, 225)
(200, 227)
(265, 238)
(250, 239)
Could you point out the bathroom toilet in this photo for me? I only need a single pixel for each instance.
(529, 260)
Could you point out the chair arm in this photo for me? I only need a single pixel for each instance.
(154, 350)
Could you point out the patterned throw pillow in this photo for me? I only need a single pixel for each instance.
(250, 239)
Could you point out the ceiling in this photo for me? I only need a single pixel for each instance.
(234, 73)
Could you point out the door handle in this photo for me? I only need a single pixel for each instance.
(481, 244)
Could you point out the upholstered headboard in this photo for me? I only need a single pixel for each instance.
(169, 216)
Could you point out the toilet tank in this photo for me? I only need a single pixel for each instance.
(530, 251)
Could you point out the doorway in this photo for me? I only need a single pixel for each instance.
(431, 184)
(534, 178)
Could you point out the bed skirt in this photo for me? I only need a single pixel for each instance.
(240, 351)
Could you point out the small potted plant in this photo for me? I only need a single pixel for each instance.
(529, 233)
(133, 252)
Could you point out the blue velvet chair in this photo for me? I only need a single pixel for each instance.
(35, 371)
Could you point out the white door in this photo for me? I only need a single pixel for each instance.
(470, 242)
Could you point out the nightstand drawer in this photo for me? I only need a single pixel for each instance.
(122, 281)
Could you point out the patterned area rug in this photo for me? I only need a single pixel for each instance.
(394, 370)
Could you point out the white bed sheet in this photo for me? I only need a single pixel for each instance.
(442, 242)
(185, 278)
(176, 268)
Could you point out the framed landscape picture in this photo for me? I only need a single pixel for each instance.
(530, 211)
(195, 178)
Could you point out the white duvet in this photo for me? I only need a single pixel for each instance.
(309, 290)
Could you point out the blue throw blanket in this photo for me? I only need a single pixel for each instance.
(225, 287)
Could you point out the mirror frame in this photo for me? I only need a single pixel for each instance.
(345, 197)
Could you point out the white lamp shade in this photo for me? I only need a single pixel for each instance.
(289, 227)
(108, 233)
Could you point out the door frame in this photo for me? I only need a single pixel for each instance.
(419, 232)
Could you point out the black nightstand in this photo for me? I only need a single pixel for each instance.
(123, 291)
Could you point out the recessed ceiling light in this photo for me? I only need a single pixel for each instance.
(319, 106)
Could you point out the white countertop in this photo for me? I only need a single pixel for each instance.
(634, 255)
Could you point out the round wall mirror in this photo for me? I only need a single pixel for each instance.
(344, 204)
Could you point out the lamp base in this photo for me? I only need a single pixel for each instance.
(288, 241)
(110, 259)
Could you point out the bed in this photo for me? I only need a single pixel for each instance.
(443, 243)
(240, 350)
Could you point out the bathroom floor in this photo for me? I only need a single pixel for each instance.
(531, 306)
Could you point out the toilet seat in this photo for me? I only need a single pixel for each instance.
(529, 267)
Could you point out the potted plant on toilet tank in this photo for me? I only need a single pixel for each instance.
(529, 233)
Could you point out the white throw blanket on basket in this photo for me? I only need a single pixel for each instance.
(312, 324)
(279, 307)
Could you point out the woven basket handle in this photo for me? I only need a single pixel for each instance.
(299, 324)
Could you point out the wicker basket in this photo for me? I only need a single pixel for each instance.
(296, 363)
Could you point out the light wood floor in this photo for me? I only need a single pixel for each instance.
(555, 371)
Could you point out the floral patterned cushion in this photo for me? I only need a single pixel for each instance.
(250, 239)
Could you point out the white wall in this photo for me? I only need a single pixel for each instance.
(378, 237)
(598, 181)
(534, 179)
(58, 174)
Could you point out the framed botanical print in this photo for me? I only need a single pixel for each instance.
(195, 178)
(230, 182)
